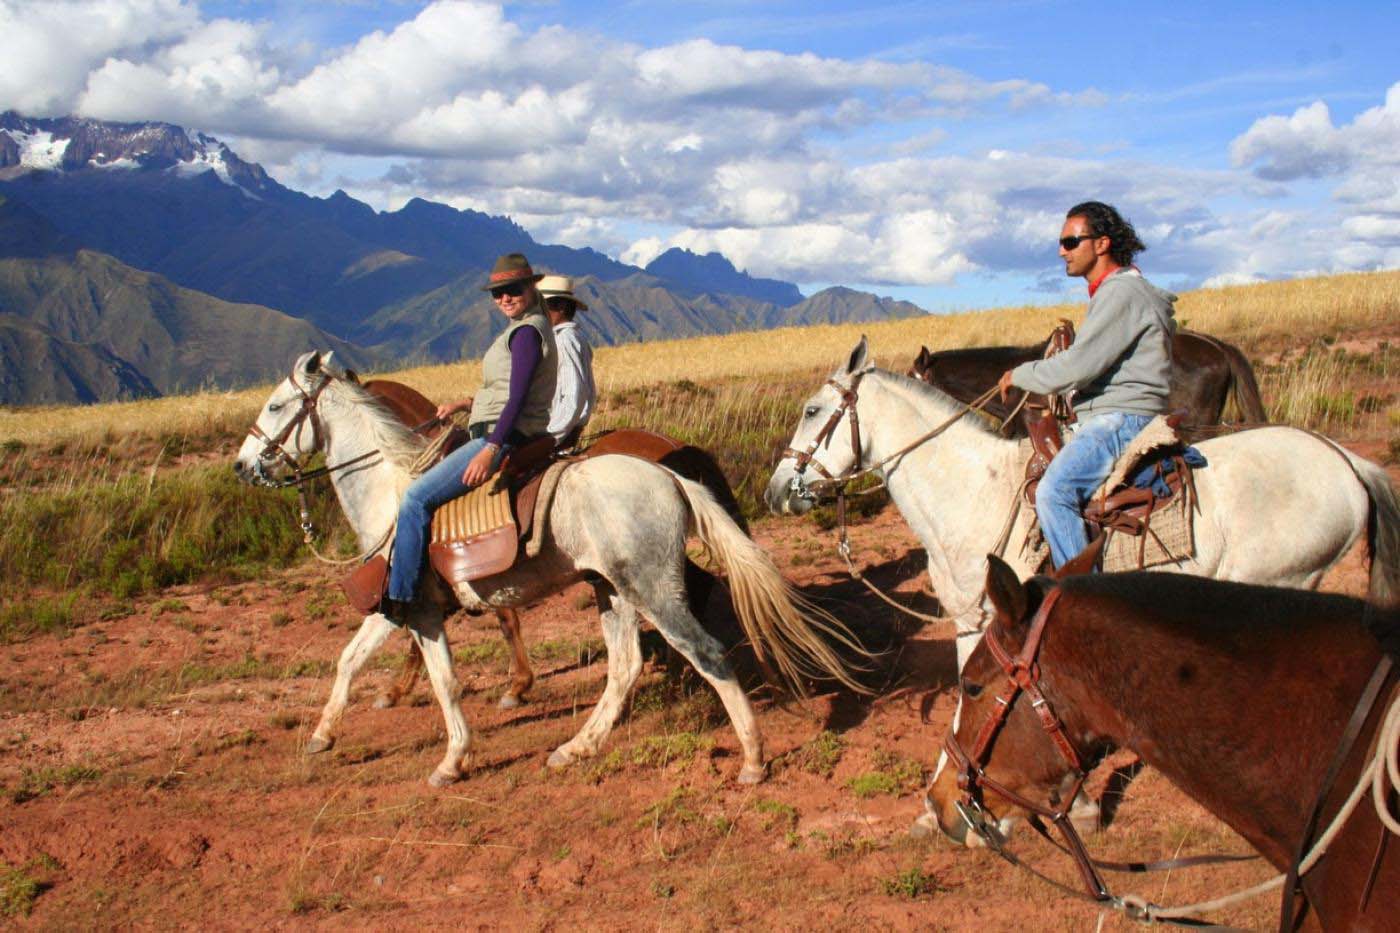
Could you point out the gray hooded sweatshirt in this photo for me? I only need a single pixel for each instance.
(1121, 358)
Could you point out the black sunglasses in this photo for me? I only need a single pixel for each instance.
(1072, 242)
(514, 290)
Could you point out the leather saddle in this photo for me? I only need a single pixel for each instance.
(1127, 509)
(481, 533)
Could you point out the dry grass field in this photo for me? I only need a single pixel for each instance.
(166, 646)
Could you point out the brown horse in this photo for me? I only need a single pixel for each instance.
(1238, 694)
(417, 411)
(1205, 372)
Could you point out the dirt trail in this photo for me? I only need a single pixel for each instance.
(153, 776)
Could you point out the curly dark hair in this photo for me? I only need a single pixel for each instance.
(1104, 220)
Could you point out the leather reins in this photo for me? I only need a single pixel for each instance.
(1023, 676)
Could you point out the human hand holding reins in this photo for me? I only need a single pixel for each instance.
(451, 408)
(1005, 385)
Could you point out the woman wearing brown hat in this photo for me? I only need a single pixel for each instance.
(517, 387)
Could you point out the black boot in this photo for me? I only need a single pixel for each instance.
(395, 610)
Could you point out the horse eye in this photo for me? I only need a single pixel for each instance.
(971, 690)
(811, 411)
(273, 409)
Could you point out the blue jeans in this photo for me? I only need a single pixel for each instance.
(440, 484)
(1075, 474)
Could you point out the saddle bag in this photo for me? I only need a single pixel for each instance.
(366, 586)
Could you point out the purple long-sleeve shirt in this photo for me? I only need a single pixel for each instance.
(526, 352)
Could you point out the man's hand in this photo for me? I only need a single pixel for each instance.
(451, 408)
(1004, 384)
(479, 468)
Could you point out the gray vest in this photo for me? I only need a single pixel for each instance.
(495, 378)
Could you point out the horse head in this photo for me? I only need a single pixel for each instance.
(1003, 766)
(922, 368)
(827, 440)
(288, 429)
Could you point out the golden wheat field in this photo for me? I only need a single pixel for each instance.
(166, 646)
(1249, 314)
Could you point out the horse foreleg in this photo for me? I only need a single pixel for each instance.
(373, 630)
(431, 637)
(408, 676)
(623, 640)
(521, 677)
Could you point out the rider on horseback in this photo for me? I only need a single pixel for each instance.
(517, 387)
(1118, 368)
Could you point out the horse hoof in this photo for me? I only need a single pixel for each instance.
(315, 745)
(384, 701)
(752, 774)
(508, 701)
(924, 827)
(559, 759)
(438, 779)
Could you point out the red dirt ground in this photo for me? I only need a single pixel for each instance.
(154, 777)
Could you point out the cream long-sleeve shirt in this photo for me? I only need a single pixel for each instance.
(574, 392)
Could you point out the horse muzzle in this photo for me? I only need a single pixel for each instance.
(788, 494)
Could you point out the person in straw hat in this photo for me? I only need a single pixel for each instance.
(512, 406)
(574, 391)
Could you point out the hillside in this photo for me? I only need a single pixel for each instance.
(146, 333)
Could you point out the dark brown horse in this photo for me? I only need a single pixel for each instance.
(1205, 372)
(1238, 694)
(417, 410)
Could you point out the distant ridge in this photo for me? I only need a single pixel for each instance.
(713, 273)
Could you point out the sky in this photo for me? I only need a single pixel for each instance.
(923, 150)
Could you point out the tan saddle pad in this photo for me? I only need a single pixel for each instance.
(474, 535)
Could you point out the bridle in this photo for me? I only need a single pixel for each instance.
(805, 458)
(1023, 674)
(274, 449)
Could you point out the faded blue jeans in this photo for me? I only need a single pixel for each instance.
(1075, 474)
(440, 484)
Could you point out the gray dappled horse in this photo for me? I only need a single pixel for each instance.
(619, 521)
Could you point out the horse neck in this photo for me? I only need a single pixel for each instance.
(368, 496)
(1245, 721)
(896, 412)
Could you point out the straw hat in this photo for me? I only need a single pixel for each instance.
(560, 286)
(509, 269)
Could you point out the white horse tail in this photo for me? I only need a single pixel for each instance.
(780, 623)
(1382, 533)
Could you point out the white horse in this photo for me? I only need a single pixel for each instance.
(1277, 506)
(619, 521)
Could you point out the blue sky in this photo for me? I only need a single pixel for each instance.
(920, 150)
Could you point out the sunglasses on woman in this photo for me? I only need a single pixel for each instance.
(514, 290)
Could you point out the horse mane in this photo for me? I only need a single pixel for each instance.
(923, 392)
(397, 443)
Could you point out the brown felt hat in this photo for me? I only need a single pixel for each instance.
(509, 269)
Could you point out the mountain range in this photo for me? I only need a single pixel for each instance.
(141, 258)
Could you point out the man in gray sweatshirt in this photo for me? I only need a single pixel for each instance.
(1118, 369)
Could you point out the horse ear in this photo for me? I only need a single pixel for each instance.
(1083, 562)
(858, 355)
(1006, 591)
(330, 366)
(308, 363)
